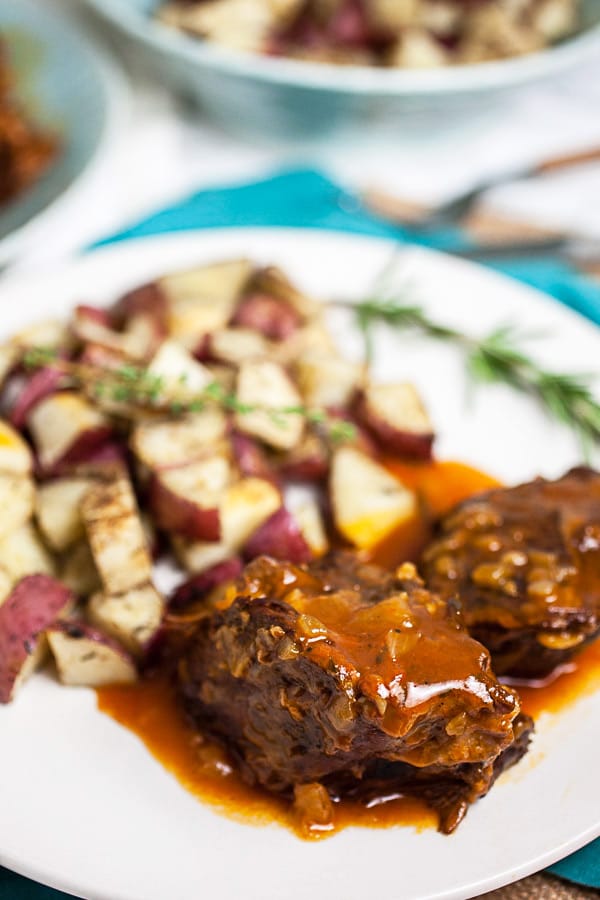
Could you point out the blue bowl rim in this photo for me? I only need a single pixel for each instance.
(15, 243)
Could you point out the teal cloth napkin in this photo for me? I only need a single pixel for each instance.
(304, 198)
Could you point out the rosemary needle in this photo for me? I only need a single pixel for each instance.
(135, 386)
(498, 356)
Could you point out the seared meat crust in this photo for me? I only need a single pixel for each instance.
(525, 563)
(342, 674)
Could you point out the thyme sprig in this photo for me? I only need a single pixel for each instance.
(135, 386)
(496, 357)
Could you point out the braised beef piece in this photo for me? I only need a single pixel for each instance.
(525, 563)
(342, 676)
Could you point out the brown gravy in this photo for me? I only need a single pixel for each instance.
(579, 678)
(150, 711)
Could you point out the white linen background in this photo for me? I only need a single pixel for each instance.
(164, 151)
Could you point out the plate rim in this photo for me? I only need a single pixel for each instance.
(106, 245)
(470, 891)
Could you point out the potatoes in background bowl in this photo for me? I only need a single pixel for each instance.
(266, 96)
(413, 34)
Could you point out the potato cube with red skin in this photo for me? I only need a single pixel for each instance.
(267, 315)
(117, 540)
(327, 380)
(15, 455)
(310, 522)
(396, 417)
(273, 282)
(23, 553)
(33, 605)
(58, 511)
(93, 326)
(145, 300)
(238, 24)
(311, 338)
(222, 375)
(204, 299)
(86, 657)
(279, 537)
(246, 505)
(78, 570)
(6, 585)
(153, 541)
(145, 333)
(64, 427)
(308, 461)
(166, 444)
(85, 312)
(368, 502)
(251, 458)
(51, 334)
(17, 497)
(132, 618)
(179, 374)
(9, 358)
(199, 556)
(186, 499)
(235, 345)
(134, 327)
(106, 459)
(37, 387)
(200, 586)
(265, 384)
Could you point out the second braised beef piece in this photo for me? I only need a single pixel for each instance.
(525, 563)
(339, 678)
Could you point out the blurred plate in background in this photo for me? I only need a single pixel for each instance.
(260, 95)
(66, 87)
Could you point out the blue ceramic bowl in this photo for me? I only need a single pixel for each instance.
(252, 94)
(66, 87)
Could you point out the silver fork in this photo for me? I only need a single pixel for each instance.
(424, 219)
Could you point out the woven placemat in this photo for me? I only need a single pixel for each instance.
(542, 887)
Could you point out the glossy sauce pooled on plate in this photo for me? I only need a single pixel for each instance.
(150, 710)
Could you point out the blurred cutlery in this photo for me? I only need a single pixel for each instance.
(420, 217)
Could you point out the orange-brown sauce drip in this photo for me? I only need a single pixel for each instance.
(579, 678)
(439, 485)
(150, 711)
(358, 631)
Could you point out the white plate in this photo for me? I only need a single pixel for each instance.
(87, 809)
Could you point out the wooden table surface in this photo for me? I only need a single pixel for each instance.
(542, 887)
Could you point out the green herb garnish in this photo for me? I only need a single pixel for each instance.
(496, 357)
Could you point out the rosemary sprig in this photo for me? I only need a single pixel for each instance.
(496, 357)
(136, 386)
